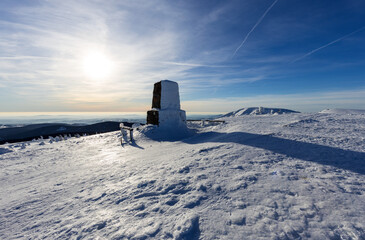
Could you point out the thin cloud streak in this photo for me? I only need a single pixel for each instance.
(328, 44)
(195, 65)
(254, 27)
(15, 58)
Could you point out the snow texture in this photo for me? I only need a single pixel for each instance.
(290, 176)
(258, 111)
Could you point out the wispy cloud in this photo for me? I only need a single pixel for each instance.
(254, 27)
(328, 44)
(24, 58)
(195, 64)
(43, 44)
(48, 40)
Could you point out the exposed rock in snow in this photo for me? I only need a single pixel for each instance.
(258, 111)
(343, 111)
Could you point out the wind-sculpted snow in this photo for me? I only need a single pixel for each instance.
(4, 150)
(297, 176)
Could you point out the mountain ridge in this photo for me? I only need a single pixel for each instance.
(259, 111)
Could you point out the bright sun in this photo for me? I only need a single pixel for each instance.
(97, 66)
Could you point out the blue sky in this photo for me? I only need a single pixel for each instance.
(303, 55)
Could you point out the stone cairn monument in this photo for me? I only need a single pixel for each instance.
(166, 105)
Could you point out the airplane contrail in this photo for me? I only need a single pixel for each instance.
(253, 28)
(328, 44)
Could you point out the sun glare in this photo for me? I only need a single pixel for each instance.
(97, 66)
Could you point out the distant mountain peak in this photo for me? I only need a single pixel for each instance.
(259, 111)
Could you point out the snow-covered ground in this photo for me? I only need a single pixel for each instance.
(292, 176)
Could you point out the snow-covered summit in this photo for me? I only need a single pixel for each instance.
(343, 111)
(258, 111)
(294, 176)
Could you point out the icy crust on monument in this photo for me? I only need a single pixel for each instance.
(170, 98)
(173, 118)
(169, 113)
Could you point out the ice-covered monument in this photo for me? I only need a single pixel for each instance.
(166, 105)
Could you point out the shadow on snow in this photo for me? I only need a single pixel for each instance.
(332, 156)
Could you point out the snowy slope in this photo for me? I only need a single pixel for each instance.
(343, 111)
(295, 176)
(258, 111)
